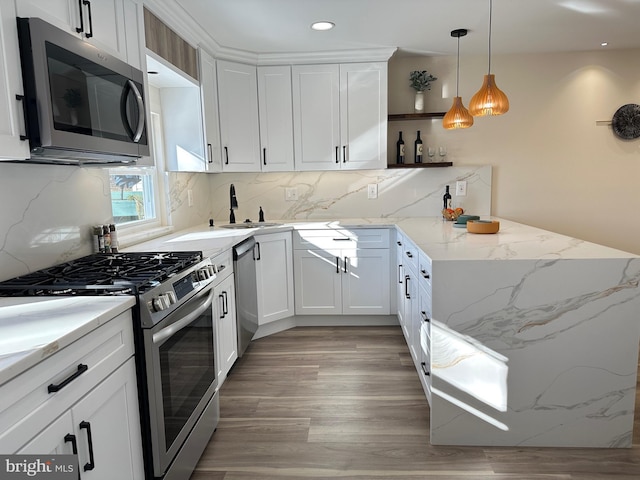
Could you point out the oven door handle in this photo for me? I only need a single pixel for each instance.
(172, 329)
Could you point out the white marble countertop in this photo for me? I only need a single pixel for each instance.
(33, 328)
(437, 238)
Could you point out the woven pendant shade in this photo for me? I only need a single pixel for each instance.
(457, 116)
(489, 100)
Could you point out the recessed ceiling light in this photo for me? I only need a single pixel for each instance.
(604, 44)
(322, 26)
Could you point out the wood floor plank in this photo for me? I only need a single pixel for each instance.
(320, 403)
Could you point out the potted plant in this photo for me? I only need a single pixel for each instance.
(420, 81)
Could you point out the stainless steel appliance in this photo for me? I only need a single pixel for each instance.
(245, 255)
(81, 105)
(175, 343)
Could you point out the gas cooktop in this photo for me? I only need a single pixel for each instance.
(102, 274)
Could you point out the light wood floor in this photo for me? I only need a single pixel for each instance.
(324, 403)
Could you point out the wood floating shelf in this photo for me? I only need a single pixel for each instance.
(420, 165)
(415, 116)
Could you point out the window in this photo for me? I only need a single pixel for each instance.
(133, 195)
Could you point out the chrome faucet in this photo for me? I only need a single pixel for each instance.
(233, 203)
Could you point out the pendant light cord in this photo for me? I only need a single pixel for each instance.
(490, 15)
(458, 69)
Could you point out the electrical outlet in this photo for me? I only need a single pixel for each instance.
(190, 197)
(291, 194)
(461, 188)
(372, 190)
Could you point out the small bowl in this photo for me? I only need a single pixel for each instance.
(483, 226)
(463, 219)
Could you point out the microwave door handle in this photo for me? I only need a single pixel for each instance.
(131, 87)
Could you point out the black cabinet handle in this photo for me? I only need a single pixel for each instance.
(424, 368)
(210, 152)
(425, 317)
(341, 239)
(399, 243)
(90, 465)
(409, 254)
(222, 312)
(24, 114)
(344, 154)
(337, 264)
(337, 155)
(406, 286)
(346, 259)
(80, 29)
(425, 274)
(225, 303)
(226, 156)
(52, 388)
(69, 437)
(264, 156)
(89, 33)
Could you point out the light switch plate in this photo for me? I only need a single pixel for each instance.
(291, 194)
(461, 188)
(372, 190)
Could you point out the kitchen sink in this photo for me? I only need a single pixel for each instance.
(250, 225)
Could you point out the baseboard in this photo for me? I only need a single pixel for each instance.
(325, 321)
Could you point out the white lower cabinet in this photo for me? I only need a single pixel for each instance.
(224, 312)
(274, 277)
(102, 428)
(82, 398)
(332, 280)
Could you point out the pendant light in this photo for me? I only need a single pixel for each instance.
(489, 100)
(457, 116)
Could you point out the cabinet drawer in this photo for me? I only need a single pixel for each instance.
(223, 264)
(341, 238)
(102, 351)
(424, 272)
(410, 255)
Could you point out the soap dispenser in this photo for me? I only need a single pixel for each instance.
(260, 215)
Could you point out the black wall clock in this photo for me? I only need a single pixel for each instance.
(626, 121)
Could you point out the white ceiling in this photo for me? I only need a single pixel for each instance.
(418, 26)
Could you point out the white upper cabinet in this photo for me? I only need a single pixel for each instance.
(107, 24)
(276, 118)
(12, 127)
(238, 104)
(340, 116)
(316, 116)
(363, 115)
(209, 93)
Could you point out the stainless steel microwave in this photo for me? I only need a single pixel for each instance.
(81, 105)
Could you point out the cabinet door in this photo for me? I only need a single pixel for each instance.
(411, 312)
(111, 414)
(276, 118)
(274, 274)
(104, 26)
(398, 278)
(64, 14)
(57, 438)
(363, 115)
(226, 326)
(317, 277)
(11, 113)
(316, 117)
(209, 95)
(239, 131)
(365, 281)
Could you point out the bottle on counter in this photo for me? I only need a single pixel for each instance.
(114, 238)
(100, 238)
(400, 150)
(446, 198)
(107, 238)
(96, 234)
(417, 152)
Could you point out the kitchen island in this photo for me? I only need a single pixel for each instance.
(534, 335)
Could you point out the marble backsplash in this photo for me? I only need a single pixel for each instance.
(48, 210)
(325, 195)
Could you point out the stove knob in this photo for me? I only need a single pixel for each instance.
(212, 271)
(171, 297)
(159, 304)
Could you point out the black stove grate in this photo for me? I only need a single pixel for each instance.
(124, 273)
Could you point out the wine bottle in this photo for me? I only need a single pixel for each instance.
(447, 198)
(400, 150)
(417, 152)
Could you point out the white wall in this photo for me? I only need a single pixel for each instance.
(553, 167)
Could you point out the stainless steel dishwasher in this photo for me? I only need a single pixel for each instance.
(245, 255)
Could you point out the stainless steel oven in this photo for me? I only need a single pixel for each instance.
(181, 381)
